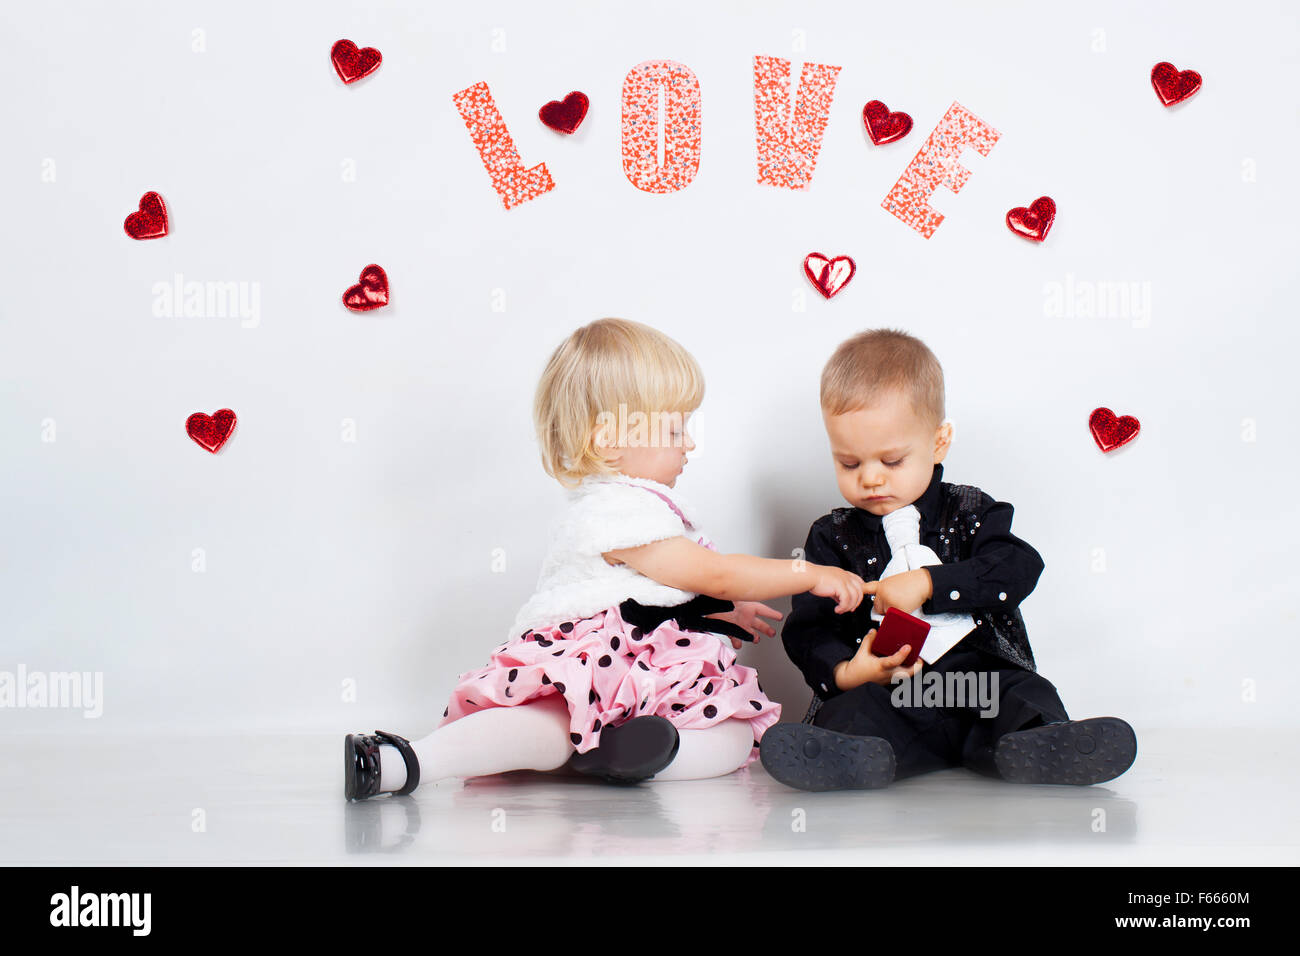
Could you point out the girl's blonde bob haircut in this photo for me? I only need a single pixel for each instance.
(604, 365)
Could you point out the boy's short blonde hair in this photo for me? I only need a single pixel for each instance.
(605, 364)
(881, 360)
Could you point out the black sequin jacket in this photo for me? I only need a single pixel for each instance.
(987, 571)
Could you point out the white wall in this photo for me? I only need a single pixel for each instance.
(372, 561)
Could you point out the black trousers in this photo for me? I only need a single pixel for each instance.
(927, 738)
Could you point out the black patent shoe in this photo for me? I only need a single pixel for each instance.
(362, 773)
(630, 752)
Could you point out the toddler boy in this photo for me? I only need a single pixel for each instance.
(938, 551)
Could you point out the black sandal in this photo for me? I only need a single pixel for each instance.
(361, 766)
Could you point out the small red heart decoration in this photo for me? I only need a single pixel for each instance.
(1171, 85)
(828, 275)
(1110, 432)
(565, 116)
(352, 64)
(151, 221)
(1034, 221)
(211, 431)
(370, 293)
(884, 126)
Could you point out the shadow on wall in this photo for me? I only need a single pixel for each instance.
(790, 504)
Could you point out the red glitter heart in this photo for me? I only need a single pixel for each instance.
(1034, 221)
(211, 431)
(828, 275)
(151, 221)
(1110, 432)
(352, 64)
(565, 116)
(884, 126)
(1171, 85)
(370, 293)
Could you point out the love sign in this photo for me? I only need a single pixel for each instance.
(787, 147)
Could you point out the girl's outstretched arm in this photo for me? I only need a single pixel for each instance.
(681, 563)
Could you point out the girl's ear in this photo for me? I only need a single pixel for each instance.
(600, 442)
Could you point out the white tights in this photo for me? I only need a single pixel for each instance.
(536, 737)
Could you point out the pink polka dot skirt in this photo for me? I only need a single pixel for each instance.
(609, 671)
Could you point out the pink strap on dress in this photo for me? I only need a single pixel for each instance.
(677, 511)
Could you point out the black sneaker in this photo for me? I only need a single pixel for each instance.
(630, 752)
(1077, 752)
(812, 758)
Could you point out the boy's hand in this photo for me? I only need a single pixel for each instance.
(906, 591)
(746, 614)
(865, 667)
(845, 586)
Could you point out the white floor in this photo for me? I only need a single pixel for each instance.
(1192, 797)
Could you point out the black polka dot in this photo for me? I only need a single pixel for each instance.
(576, 738)
(508, 694)
(566, 627)
(683, 642)
(471, 703)
(558, 654)
(605, 660)
(710, 711)
(596, 726)
(642, 665)
(637, 634)
(544, 642)
(613, 643)
(674, 683)
(559, 685)
(444, 712)
(514, 672)
(591, 697)
(545, 679)
(720, 667)
(644, 702)
(679, 706)
(527, 635)
(756, 705)
(708, 688)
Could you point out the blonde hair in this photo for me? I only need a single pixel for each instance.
(604, 365)
(880, 360)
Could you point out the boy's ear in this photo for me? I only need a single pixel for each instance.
(942, 440)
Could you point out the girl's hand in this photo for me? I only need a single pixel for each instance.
(845, 586)
(746, 614)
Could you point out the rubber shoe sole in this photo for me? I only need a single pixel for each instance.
(812, 758)
(1074, 752)
(630, 752)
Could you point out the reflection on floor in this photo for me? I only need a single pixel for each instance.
(1193, 797)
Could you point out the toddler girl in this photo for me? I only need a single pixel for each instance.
(617, 666)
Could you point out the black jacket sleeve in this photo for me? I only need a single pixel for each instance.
(815, 637)
(1001, 571)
